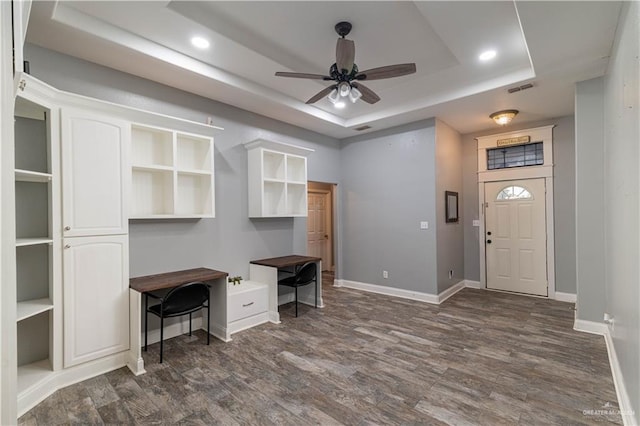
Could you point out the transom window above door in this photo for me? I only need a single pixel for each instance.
(515, 156)
(513, 193)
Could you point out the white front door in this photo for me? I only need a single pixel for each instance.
(317, 232)
(515, 239)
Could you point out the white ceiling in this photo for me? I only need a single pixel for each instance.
(550, 44)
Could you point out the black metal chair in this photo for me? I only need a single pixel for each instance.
(182, 300)
(307, 274)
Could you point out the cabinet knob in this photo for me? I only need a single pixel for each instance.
(67, 246)
(67, 228)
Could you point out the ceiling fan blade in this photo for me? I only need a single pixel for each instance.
(345, 55)
(386, 72)
(368, 95)
(321, 94)
(303, 75)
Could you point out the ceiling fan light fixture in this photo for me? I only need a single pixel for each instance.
(354, 95)
(344, 88)
(504, 117)
(334, 96)
(340, 105)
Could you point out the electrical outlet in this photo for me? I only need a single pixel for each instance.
(385, 274)
(450, 273)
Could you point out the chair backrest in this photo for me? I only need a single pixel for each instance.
(185, 298)
(307, 273)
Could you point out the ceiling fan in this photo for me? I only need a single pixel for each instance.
(346, 75)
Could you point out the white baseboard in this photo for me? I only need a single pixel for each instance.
(624, 402)
(592, 327)
(566, 297)
(472, 284)
(246, 323)
(398, 292)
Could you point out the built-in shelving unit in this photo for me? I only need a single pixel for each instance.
(172, 174)
(34, 178)
(277, 179)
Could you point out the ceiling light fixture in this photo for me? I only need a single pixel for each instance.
(504, 117)
(200, 42)
(334, 96)
(354, 95)
(487, 55)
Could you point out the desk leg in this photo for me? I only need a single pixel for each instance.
(135, 361)
(269, 276)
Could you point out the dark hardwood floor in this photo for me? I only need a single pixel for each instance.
(481, 358)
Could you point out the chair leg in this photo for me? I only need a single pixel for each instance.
(208, 319)
(161, 336)
(146, 319)
(296, 302)
(189, 323)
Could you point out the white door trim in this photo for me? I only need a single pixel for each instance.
(545, 135)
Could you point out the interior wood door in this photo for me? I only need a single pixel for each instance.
(96, 297)
(516, 236)
(94, 174)
(318, 234)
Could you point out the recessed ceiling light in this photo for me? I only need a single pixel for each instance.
(200, 43)
(340, 105)
(487, 55)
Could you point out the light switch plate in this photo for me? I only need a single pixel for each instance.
(424, 225)
(476, 222)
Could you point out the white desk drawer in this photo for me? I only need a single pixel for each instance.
(246, 303)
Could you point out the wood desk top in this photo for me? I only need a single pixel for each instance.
(285, 261)
(174, 279)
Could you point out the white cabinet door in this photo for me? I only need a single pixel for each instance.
(96, 297)
(94, 174)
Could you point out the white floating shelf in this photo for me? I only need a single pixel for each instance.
(30, 176)
(21, 242)
(194, 172)
(171, 216)
(152, 168)
(30, 308)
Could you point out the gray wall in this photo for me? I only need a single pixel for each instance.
(622, 197)
(450, 238)
(230, 240)
(590, 253)
(564, 200)
(388, 187)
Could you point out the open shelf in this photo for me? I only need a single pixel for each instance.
(297, 199)
(152, 193)
(29, 308)
(274, 199)
(273, 165)
(33, 374)
(151, 146)
(277, 179)
(194, 153)
(31, 142)
(171, 174)
(32, 210)
(21, 242)
(30, 176)
(296, 169)
(194, 195)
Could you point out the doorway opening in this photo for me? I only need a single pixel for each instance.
(321, 205)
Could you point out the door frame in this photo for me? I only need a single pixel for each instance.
(539, 134)
(328, 190)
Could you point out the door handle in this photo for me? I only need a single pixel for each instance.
(488, 241)
(326, 237)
